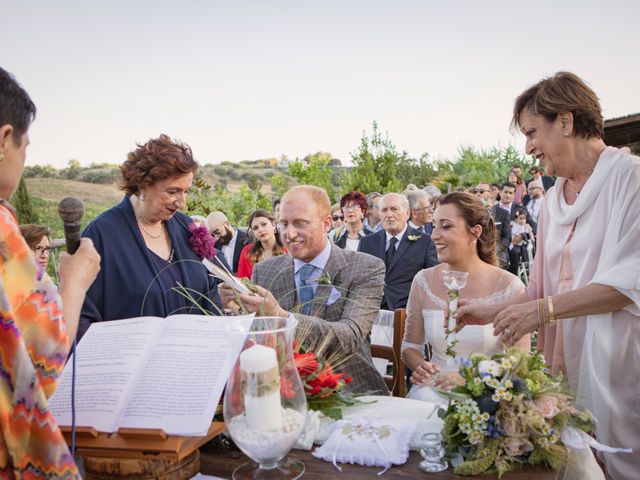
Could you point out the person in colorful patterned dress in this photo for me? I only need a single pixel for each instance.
(35, 336)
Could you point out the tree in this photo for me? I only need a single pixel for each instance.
(254, 182)
(375, 163)
(419, 172)
(73, 169)
(22, 203)
(314, 170)
(279, 184)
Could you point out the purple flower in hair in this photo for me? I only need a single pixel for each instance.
(201, 241)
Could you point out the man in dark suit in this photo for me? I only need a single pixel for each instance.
(421, 211)
(229, 240)
(404, 250)
(334, 294)
(501, 219)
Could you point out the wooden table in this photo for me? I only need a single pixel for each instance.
(223, 464)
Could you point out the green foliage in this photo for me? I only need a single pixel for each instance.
(72, 171)
(204, 199)
(419, 172)
(254, 182)
(279, 184)
(375, 169)
(22, 203)
(314, 170)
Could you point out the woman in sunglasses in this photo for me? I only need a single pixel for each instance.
(354, 209)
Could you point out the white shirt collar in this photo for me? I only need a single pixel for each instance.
(320, 262)
(398, 236)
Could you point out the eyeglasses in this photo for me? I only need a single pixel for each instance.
(335, 218)
(42, 251)
(532, 188)
(421, 209)
(350, 207)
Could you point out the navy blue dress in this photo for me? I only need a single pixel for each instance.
(133, 281)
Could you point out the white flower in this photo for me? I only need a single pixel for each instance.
(488, 367)
(508, 384)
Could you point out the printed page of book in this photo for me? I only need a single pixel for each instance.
(184, 375)
(108, 360)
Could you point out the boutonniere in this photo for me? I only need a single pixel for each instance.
(414, 238)
(325, 279)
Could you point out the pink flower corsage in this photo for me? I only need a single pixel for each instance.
(201, 241)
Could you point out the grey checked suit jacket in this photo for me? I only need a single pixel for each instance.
(347, 322)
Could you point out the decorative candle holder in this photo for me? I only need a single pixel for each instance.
(264, 402)
(433, 453)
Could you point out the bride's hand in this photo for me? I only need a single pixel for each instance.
(448, 380)
(515, 322)
(423, 372)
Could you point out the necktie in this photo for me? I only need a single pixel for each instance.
(390, 251)
(305, 290)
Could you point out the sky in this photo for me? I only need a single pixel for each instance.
(243, 80)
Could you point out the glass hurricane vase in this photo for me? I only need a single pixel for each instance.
(264, 402)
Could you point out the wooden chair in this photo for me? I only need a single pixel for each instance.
(397, 382)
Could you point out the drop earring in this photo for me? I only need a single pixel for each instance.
(141, 197)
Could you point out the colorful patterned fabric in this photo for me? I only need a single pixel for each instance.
(33, 350)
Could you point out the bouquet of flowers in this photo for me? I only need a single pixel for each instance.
(323, 387)
(509, 412)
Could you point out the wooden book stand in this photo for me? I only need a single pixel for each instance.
(152, 444)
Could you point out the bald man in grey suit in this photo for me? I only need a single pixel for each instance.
(334, 294)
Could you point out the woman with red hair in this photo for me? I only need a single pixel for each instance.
(145, 241)
(354, 208)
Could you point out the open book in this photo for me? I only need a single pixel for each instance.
(149, 372)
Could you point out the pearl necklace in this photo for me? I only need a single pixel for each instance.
(144, 230)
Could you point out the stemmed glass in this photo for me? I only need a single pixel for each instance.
(264, 402)
(454, 281)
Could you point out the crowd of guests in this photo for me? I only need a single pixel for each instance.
(335, 268)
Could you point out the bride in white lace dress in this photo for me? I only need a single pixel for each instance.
(465, 238)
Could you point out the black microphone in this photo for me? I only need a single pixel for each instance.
(71, 211)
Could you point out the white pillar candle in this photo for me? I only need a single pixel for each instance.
(259, 366)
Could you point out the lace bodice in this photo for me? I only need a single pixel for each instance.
(425, 319)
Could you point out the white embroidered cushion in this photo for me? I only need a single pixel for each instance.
(367, 442)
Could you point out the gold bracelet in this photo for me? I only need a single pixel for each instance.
(543, 317)
(552, 314)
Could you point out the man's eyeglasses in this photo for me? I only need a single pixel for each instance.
(42, 251)
(335, 218)
(422, 209)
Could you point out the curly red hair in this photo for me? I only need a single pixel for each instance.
(158, 159)
(356, 197)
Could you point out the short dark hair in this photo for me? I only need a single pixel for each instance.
(16, 107)
(158, 159)
(534, 169)
(33, 233)
(508, 185)
(560, 93)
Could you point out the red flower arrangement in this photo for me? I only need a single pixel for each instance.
(323, 387)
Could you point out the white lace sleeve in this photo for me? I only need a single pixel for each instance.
(414, 336)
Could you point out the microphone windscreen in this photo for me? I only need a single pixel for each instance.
(71, 211)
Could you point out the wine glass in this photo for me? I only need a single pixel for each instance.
(264, 402)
